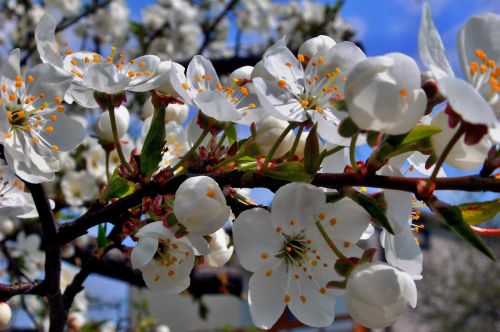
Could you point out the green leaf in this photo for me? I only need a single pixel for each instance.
(119, 187)
(420, 132)
(332, 197)
(290, 171)
(151, 153)
(476, 213)
(452, 217)
(312, 158)
(231, 134)
(373, 208)
(101, 236)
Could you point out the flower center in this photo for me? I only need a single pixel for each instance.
(484, 75)
(294, 249)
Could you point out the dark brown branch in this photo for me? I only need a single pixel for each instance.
(211, 28)
(21, 288)
(71, 230)
(57, 312)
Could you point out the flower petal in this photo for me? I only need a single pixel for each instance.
(467, 102)
(250, 226)
(46, 41)
(265, 295)
(308, 304)
(430, 46)
(296, 207)
(479, 32)
(402, 251)
(67, 134)
(143, 252)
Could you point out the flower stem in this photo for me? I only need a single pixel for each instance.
(352, 156)
(221, 141)
(329, 241)
(277, 143)
(193, 148)
(454, 139)
(107, 165)
(291, 154)
(330, 152)
(118, 147)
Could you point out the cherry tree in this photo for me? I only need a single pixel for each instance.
(289, 114)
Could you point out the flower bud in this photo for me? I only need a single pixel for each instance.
(378, 293)
(268, 131)
(313, 46)
(384, 94)
(200, 205)
(103, 126)
(5, 315)
(173, 112)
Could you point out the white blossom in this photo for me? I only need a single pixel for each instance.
(377, 294)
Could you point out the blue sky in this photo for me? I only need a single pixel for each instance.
(392, 25)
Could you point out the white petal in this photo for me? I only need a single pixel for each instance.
(430, 46)
(296, 207)
(143, 252)
(50, 81)
(466, 101)
(265, 295)
(280, 62)
(255, 227)
(11, 67)
(280, 103)
(479, 32)
(142, 64)
(345, 220)
(313, 308)
(81, 95)
(46, 41)
(198, 243)
(462, 156)
(67, 134)
(155, 229)
(402, 251)
(214, 104)
(104, 77)
(157, 279)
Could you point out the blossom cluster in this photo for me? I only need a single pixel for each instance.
(306, 111)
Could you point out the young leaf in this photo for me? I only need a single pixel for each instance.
(151, 153)
(420, 132)
(312, 158)
(231, 134)
(290, 171)
(452, 217)
(476, 213)
(101, 236)
(373, 208)
(119, 187)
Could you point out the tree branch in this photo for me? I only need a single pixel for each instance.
(237, 179)
(8, 291)
(207, 32)
(52, 280)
